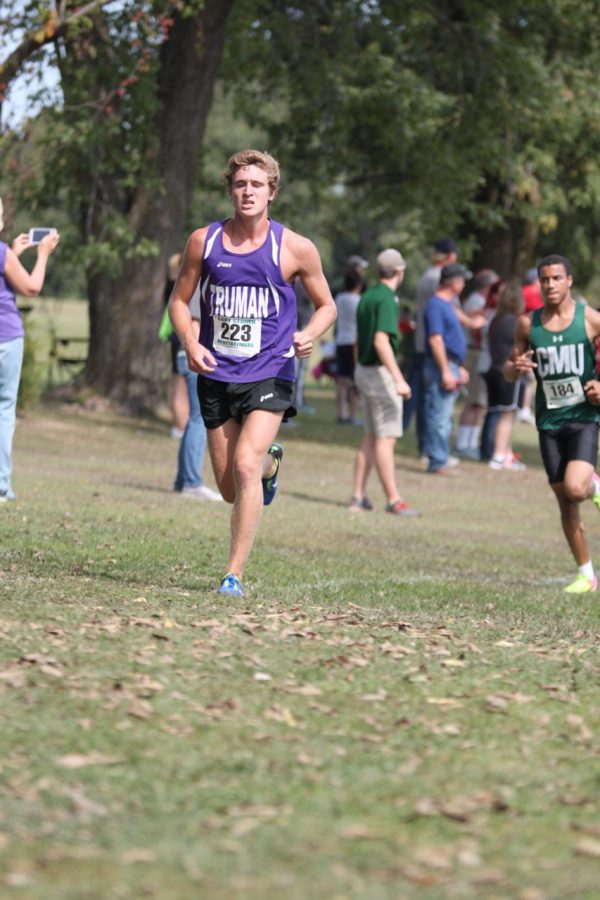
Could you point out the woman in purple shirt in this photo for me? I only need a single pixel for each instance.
(14, 279)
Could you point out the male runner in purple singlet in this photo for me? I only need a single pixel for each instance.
(248, 340)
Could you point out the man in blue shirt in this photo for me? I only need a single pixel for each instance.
(445, 350)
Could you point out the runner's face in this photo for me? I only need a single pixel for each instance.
(555, 284)
(250, 191)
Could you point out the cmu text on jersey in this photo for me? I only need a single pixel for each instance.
(566, 359)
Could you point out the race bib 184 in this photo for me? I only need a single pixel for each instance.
(237, 337)
(563, 392)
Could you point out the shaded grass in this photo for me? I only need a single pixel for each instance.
(395, 709)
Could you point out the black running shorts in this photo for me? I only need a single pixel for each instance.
(560, 446)
(344, 355)
(221, 400)
(503, 395)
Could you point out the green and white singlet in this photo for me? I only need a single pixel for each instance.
(566, 360)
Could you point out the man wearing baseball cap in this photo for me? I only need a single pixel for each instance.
(445, 351)
(357, 264)
(444, 252)
(381, 383)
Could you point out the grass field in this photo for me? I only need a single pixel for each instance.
(396, 709)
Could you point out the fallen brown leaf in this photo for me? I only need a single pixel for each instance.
(439, 858)
(426, 807)
(448, 702)
(81, 760)
(496, 703)
(280, 714)
(15, 678)
(140, 709)
(244, 826)
(138, 855)
(358, 832)
(305, 690)
(588, 846)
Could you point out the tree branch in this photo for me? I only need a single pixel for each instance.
(57, 24)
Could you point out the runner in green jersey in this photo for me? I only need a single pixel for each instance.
(557, 343)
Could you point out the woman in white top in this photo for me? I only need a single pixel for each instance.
(347, 302)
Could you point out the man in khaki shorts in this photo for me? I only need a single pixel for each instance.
(382, 385)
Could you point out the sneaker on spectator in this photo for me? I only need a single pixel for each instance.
(526, 416)
(357, 505)
(511, 463)
(400, 508)
(201, 492)
(466, 453)
(454, 461)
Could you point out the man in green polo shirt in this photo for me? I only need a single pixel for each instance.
(381, 383)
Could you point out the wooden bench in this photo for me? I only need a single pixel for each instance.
(69, 353)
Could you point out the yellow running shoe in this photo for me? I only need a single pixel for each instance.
(582, 585)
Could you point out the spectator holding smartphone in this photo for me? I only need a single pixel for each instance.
(15, 279)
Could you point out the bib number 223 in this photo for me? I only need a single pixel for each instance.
(237, 337)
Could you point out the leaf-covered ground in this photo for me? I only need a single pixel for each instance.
(397, 708)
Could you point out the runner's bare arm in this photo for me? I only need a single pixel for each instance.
(199, 358)
(300, 257)
(520, 360)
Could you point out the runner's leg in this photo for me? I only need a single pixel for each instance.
(222, 442)
(579, 482)
(250, 462)
(572, 525)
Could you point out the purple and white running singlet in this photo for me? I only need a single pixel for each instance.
(247, 309)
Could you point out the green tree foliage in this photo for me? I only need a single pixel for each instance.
(120, 154)
(465, 116)
(395, 122)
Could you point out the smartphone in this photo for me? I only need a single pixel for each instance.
(36, 234)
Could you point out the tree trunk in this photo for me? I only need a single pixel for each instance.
(126, 362)
(509, 250)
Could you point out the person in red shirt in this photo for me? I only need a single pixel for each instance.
(532, 293)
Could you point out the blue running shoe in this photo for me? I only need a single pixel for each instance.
(231, 585)
(270, 483)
